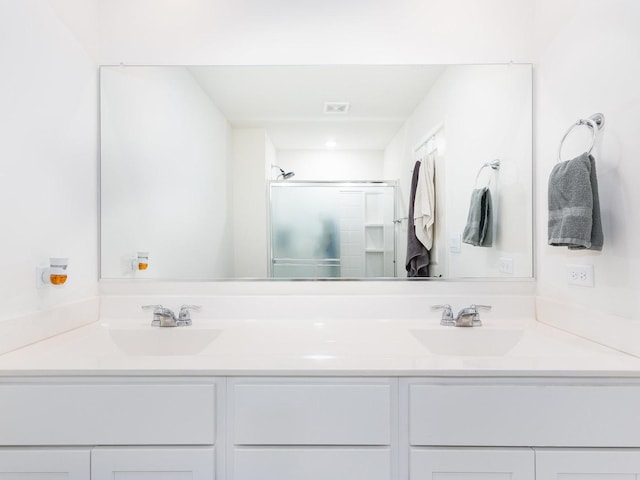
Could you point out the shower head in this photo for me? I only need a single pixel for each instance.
(284, 175)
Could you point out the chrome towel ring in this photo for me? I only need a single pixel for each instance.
(495, 165)
(595, 122)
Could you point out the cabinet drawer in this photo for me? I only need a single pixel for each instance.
(107, 414)
(44, 463)
(524, 415)
(312, 464)
(471, 464)
(591, 464)
(166, 463)
(312, 414)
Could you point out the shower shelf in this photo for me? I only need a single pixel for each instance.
(374, 238)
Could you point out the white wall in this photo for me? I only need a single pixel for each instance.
(50, 94)
(309, 31)
(586, 55)
(332, 165)
(164, 176)
(304, 32)
(252, 154)
(485, 111)
(588, 61)
(48, 150)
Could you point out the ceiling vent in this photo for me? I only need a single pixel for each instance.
(336, 107)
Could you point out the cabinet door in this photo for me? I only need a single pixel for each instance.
(570, 464)
(44, 464)
(193, 463)
(471, 464)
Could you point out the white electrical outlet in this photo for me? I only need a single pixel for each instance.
(506, 265)
(581, 275)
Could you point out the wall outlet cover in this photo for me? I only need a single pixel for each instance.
(506, 265)
(580, 275)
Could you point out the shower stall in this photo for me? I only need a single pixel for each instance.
(332, 229)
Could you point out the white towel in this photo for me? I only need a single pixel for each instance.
(424, 206)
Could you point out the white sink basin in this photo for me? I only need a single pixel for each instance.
(151, 341)
(468, 341)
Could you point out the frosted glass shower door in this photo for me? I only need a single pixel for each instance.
(331, 230)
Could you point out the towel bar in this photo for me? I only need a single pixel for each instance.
(595, 122)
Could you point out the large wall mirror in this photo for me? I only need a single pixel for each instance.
(225, 172)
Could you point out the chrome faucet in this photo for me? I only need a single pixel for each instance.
(164, 317)
(184, 315)
(467, 317)
(447, 314)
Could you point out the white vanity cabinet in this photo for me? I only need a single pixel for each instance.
(591, 464)
(311, 429)
(45, 464)
(471, 464)
(139, 463)
(319, 428)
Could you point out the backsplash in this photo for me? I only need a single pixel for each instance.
(304, 300)
(601, 327)
(34, 327)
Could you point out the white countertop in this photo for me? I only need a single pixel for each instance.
(317, 348)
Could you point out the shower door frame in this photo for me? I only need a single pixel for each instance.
(330, 183)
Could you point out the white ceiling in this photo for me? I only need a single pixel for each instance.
(288, 101)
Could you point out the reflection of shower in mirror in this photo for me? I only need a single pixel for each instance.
(283, 175)
(332, 229)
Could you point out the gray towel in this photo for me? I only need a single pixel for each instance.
(479, 228)
(417, 262)
(574, 205)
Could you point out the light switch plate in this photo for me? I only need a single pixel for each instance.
(455, 243)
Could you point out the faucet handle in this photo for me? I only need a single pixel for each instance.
(483, 307)
(155, 308)
(184, 313)
(446, 307)
(447, 314)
